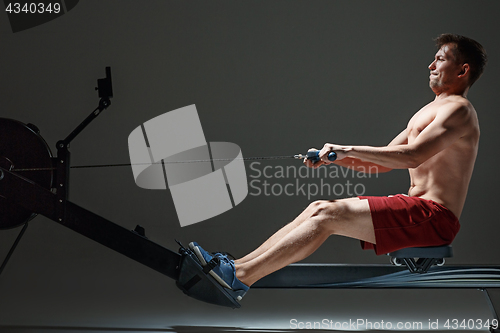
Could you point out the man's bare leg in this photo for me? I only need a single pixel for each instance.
(348, 217)
(277, 236)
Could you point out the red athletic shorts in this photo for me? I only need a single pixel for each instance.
(401, 221)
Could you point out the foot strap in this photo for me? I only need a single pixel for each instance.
(211, 265)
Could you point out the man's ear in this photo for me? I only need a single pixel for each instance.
(464, 70)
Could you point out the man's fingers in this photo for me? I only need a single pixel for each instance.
(323, 155)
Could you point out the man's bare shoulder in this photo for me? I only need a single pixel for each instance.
(453, 113)
(455, 104)
(456, 110)
(446, 107)
(458, 113)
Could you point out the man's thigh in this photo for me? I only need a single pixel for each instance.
(351, 218)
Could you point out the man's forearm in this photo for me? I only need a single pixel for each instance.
(362, 166)
(393, 157)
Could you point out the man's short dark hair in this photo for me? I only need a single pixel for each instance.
(466, 51)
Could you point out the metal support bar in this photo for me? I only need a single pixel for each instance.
(12, 249)
(62, 164)
(336, 276)
(39, 200)
(103, 104)
(410, 263)
(421, 266)
(105, 89)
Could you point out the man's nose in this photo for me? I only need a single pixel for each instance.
(432, 65)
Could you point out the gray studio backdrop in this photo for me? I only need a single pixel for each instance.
(274, 77)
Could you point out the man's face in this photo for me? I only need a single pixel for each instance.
(444, 69)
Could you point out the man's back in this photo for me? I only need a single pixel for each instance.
(445, 176)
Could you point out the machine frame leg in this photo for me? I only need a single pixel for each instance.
(492, 309)
(13, 248)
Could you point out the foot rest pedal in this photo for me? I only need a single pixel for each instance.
(196, 283)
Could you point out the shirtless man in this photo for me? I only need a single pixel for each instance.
(438, 147)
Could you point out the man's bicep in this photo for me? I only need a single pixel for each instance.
(401, 139)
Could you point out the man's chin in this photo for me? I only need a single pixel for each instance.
(435, 87)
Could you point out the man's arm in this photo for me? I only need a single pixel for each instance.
(450, 124)
(401, 139)
(369, 167)
(359, 165)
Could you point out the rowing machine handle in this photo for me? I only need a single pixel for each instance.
(313, 156)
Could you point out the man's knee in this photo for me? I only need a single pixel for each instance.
(341, 217)
(330, 207)
(327, 213)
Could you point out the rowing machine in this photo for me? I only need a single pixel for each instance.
(33, 182)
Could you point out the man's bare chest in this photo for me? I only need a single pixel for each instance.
(420, 121)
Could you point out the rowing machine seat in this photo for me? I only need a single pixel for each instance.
(427, 256)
